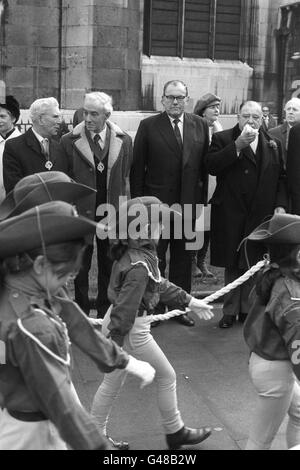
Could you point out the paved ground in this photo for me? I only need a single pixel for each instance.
(213, 388)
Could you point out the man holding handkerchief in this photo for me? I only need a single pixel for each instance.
(251, 186)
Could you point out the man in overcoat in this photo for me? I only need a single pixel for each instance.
(251, 185)
(100, 156)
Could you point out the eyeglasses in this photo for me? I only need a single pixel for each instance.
(180, 99)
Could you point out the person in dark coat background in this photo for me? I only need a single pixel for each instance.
(36, 150)
(293, 168)
(251, 185)
(282, 132)
(168, 163)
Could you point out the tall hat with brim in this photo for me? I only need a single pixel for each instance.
(47, 224)
(139, 211)
(209, 99)
(281, 228)
(12, 105)
(40, 188)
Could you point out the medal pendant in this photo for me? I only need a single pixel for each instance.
(100, 167)
(48, 165)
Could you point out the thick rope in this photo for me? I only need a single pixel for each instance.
(211, 298)
(216, 295)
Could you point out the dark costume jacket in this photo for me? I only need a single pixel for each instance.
(272, 331)
(35, 362)
(136, 286)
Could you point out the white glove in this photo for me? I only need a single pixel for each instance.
(201, 308)
(141, 369)
(249, 130)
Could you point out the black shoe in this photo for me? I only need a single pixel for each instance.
(187, 436)
(185, 320)
(226, 321)
(120, 445)
(155, 323)
(242, 317)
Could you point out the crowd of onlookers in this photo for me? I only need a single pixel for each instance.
(242, 175)
(246, 178)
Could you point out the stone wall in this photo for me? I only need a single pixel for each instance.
(101, 51)
(62, 48)
(28, 49)
(229, 80)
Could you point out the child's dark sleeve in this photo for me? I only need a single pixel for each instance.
(103, 351)
(172, 295)
(37, 352)
(127, 304)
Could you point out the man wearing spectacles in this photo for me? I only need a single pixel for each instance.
(168, 162)
(250, 187)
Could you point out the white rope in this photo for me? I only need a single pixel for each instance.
(216, 295)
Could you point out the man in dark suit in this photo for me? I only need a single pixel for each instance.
(293, 168)
(168, 162)
(251, 185)
(36, 150)
(268, 121)
(282, 132)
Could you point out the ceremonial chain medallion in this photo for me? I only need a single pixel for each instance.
(100, 167)
(48, 165)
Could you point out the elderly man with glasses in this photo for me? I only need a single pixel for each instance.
(168, 162)
(251, 185)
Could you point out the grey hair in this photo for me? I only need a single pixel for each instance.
(104, 100)
(293, 100)
(40, 106)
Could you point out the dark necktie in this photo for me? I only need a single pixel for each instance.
(96, 139)
(177, 133)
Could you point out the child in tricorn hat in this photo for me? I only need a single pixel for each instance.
(39, 251)
(135, 289)
(272, 332)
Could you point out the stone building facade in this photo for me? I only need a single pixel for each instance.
(238, 49)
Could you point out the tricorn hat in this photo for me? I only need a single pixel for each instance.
(12, 105)
(49, 224)
(40, 188)
(205, 101)
(281, 228)
(137, 212)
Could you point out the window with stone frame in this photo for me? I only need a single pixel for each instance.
(215, 29)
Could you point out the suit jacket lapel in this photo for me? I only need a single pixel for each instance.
(165, 128)
(188, 137)
(83, 146)
(248, 152)
(33, 143)
(265, 153)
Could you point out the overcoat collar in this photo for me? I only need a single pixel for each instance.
(82, 144)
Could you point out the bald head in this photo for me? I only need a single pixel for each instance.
(292, 111)
(250, 113)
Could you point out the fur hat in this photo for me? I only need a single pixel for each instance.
(12, 105)
(204, 102)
